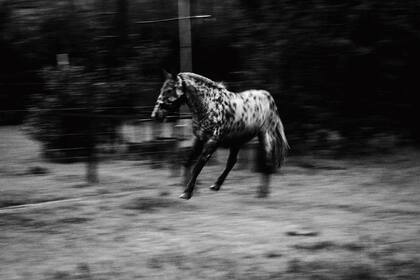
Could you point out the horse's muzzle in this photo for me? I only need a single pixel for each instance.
(157, 115)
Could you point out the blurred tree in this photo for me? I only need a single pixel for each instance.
(79, 105)
(18, 78)
(332, 65)
(348, 67)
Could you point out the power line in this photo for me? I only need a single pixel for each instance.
(75, 108)
(173, 19)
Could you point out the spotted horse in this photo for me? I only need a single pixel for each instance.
(221, 118)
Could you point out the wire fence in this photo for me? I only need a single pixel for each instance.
(102, 108)
(135, 137)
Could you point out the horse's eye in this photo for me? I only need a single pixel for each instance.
(172, 99)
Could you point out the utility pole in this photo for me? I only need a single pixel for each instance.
(184, 29)
(185, 65)
(185, 52)
(91, 157)
(185, 49)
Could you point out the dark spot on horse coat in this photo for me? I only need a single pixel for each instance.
(230, 115)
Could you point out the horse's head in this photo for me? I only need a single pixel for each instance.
(170, 98)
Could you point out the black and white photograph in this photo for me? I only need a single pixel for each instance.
(204, 139)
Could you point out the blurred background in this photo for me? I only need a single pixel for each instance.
(337, 70)
(78, 81)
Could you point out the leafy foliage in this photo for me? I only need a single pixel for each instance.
(78, 109)
(349, 68)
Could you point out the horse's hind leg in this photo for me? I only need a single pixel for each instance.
(233, 156)
(264, 164)
(264, 189)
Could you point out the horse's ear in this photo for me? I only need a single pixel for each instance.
(166, 74)
(180, 86)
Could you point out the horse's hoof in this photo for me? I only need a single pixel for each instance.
(262, 195)
(215, 187)
(185, 196)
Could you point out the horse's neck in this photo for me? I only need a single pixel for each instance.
(198, 103)
(200, 97)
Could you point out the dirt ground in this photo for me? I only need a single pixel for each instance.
(325, 219)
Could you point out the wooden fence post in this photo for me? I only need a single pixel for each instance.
(91, 159)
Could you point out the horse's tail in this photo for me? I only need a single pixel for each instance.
(273, 147)
(281, 146)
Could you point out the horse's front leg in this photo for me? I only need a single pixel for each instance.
(209, 148)
(233, 156)
(196, 150)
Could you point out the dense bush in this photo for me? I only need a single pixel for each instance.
(77, 109)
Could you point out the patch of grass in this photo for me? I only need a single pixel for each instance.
(58, 275)
(13, 198)
(302, 232)
(359, 272)
(81, 185)
(74, 220)
(273, 254)
(308, 165)
(38, 222)
(171, 258)
(107, 270)
(103, 191)
(22, 201)
(164, 193)
(83, 270)
(316, 246)
(154, 263)
(332, 270)
(37, 170)
(403, 268)
(11, 219)
(164, 228)
(324, 245)
(294, 266)
(70, 178)
(352, 246)
(149, 204)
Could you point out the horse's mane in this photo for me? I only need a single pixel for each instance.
(204, 80)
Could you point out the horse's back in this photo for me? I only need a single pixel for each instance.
(245, 115)
(253, 107)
